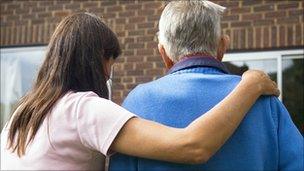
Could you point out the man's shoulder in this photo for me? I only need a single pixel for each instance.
(141, 90)
(159, 87)
(148, 88)
(272, 102)
(268, 107)
(141, 94)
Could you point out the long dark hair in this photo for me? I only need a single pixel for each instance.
(74, 62)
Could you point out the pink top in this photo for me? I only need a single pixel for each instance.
(76, 135)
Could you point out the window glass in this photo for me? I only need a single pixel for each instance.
(239, 67)
(293, 89)
(18, 71)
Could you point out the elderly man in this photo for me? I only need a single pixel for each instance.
(191, 47)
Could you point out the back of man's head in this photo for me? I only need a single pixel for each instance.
(189, 27)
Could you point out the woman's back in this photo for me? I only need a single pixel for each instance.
(59, 142)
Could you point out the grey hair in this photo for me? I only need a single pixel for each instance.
(187, 27)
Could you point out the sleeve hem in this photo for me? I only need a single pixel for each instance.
(115, 130)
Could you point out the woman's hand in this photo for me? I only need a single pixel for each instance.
(261, 82)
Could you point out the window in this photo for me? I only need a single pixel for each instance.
(293, 87)
(285, 67)
(19, 67)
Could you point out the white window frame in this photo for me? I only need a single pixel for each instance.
(278, 55)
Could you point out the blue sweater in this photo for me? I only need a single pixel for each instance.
(267, 139)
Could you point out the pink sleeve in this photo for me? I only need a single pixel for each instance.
(99, 121)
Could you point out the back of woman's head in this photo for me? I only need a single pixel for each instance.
(76, 52)
(74, 62)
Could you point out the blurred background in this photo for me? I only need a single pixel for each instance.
(265, 34)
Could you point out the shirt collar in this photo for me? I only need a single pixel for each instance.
(198, 61)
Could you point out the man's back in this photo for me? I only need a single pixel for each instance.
(266, 139)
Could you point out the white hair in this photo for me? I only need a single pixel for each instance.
(187, 27)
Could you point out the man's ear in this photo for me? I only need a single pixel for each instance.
(222, 47)
(168, 62)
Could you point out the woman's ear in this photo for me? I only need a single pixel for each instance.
(166, 59)
(222, 47)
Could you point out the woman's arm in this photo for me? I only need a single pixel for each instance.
(204, 136)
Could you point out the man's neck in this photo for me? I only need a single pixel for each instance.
(198, 60)
(198, 54)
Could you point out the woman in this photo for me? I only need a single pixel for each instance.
(65, 121)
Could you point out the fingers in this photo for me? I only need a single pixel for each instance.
(273, 89)
(274, 84)
(277, 93)
(257, 77)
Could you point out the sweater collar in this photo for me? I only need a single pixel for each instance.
(198, 61)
